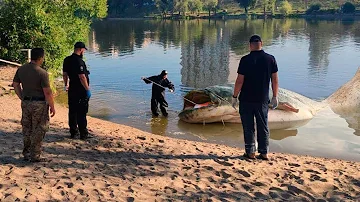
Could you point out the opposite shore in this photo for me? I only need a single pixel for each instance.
(353, 16)
(125, 164)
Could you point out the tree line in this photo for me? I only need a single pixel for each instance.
(52, 25)
(123, 8)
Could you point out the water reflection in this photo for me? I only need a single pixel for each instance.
(351, 116)
(220, 132)
(205, 58)
(319, 47)
(159, 125)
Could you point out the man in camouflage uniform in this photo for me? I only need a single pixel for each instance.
(36, 97)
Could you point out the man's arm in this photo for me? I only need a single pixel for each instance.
(65, 78)
(275, 84)
(170, 85)
(84, 82)
(238, 85)
(50, 100)
(150, 79)
(17, 89)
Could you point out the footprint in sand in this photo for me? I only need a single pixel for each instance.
(244, 173)
(81, 192)
(224, 163)
(294, 165)
(246, 187)
(225, 175)
(209, 168)
(69, 184)
(313, 171)
(171, 190)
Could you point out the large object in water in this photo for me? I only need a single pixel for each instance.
(213, 104)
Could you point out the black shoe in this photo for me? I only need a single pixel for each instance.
(165, 114)
(155, 115)
(73, 136)
(39, 160)
(85, 137)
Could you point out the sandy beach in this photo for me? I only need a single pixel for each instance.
(122, 163)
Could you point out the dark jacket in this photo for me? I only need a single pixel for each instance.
(158, 91)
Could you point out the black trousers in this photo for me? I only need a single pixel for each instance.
(247, 113)
(155, 102)
(78, 108)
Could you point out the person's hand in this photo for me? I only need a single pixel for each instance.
(274, 103)
(66, 88)
(52, 111)
(171, 90)
(234, 102)
(88, 94)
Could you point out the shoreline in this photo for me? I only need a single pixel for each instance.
(354, 16)
(124, 163)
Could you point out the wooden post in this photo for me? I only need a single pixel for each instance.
(29, 54)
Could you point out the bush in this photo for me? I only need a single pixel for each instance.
(348, 8)
(285, 8)
(52, 25)
(313, 8)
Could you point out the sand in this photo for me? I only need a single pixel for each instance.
(122, 163)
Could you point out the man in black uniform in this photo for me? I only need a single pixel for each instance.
(253, 82)
(158, 92)
(74, 68)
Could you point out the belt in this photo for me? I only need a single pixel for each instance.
(28, 98)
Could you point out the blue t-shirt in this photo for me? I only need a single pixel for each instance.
(257, 68)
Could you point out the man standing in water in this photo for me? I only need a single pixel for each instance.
(36, 97)
(160, 82)
(253, 83)
(74, 68)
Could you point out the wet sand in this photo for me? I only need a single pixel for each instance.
(125, 164)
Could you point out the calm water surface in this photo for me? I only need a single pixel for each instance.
(314, 58)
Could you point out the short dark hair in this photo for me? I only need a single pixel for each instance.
(255, 38)
(37, 53)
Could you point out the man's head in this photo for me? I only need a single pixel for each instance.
(164, 74)
(255, 43)
(79, 48)
(37, 56)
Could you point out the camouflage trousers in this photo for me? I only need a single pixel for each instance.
(35, 123)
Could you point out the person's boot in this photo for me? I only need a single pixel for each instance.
(74, 133)
(84, 135)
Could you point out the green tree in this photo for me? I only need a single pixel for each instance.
(268, 5)
(285, 8)
(195, 5)
(164, 6)
(53, 25)
(246, 4)
(210, 5)
(181, 6)
(348, 8)
(313, 8)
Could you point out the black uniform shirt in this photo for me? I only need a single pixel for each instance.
(257, 68)
(74, 65)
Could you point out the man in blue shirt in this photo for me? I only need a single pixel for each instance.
(253, 82)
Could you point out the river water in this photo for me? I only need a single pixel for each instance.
(314, 57)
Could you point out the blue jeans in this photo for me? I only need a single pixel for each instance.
(247, 113)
